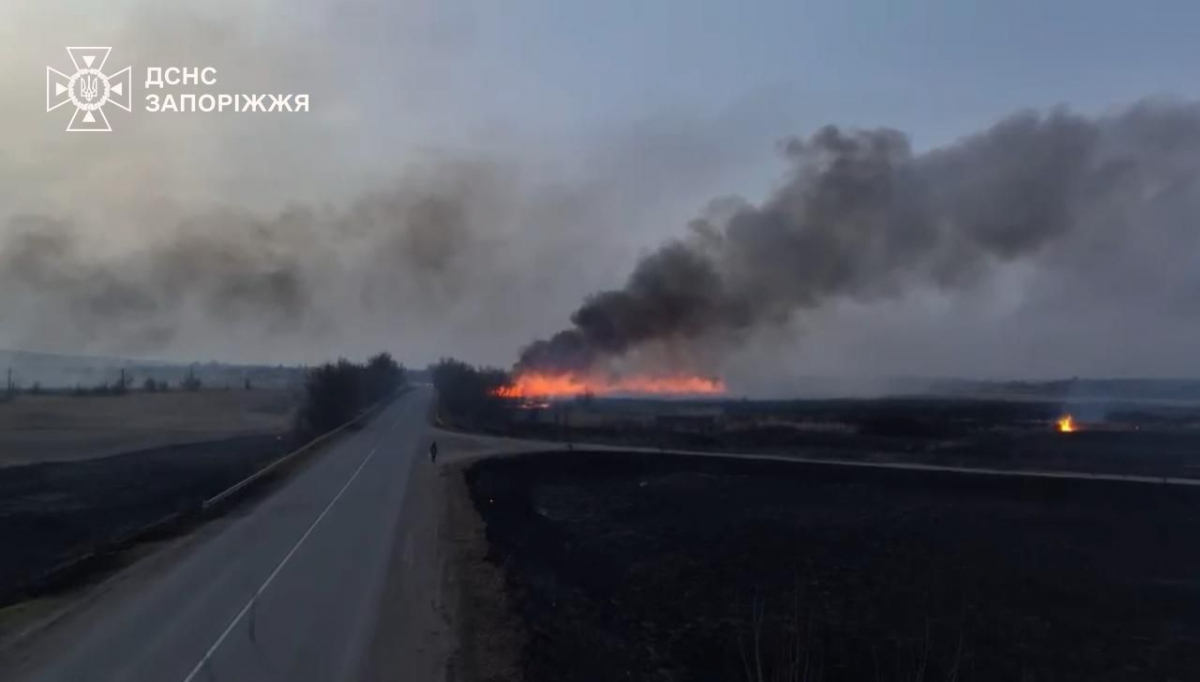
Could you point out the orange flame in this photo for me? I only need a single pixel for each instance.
(545, 385)
(1066, 424)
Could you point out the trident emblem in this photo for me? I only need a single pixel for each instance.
(89, 89)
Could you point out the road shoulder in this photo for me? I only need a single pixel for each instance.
(445, 614)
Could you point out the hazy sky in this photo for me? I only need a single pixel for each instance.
(567, 138)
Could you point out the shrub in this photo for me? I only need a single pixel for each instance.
(191, 382)
(383, 375)
(468, 393)
(335, 393)
(104, 388)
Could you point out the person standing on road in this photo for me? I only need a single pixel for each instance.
(433, 451)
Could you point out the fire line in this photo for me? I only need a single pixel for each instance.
(547, 385)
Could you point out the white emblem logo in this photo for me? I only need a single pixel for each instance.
(89, 89)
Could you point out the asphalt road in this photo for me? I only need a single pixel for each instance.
(291, 590)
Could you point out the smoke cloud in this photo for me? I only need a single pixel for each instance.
(862, 218)
(419, 248)
(417, 211)
(455, 248)
(406, 211)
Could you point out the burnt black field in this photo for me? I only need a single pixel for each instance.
(1120, 437)
(53, 514)
(644, 566)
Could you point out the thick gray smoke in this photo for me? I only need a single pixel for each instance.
(292, 274)
(862, 217)
(411, 210)
(452, 256)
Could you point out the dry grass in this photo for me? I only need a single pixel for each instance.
(50, 428)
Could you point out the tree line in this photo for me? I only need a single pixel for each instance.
(467, 393)
(336, 392)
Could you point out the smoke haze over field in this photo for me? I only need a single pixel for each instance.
(297, 237)
(863, 218)
(469, 175)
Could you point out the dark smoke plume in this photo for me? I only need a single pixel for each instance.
(863, 217)
(286, 274)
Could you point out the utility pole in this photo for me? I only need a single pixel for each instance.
(8, 384)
